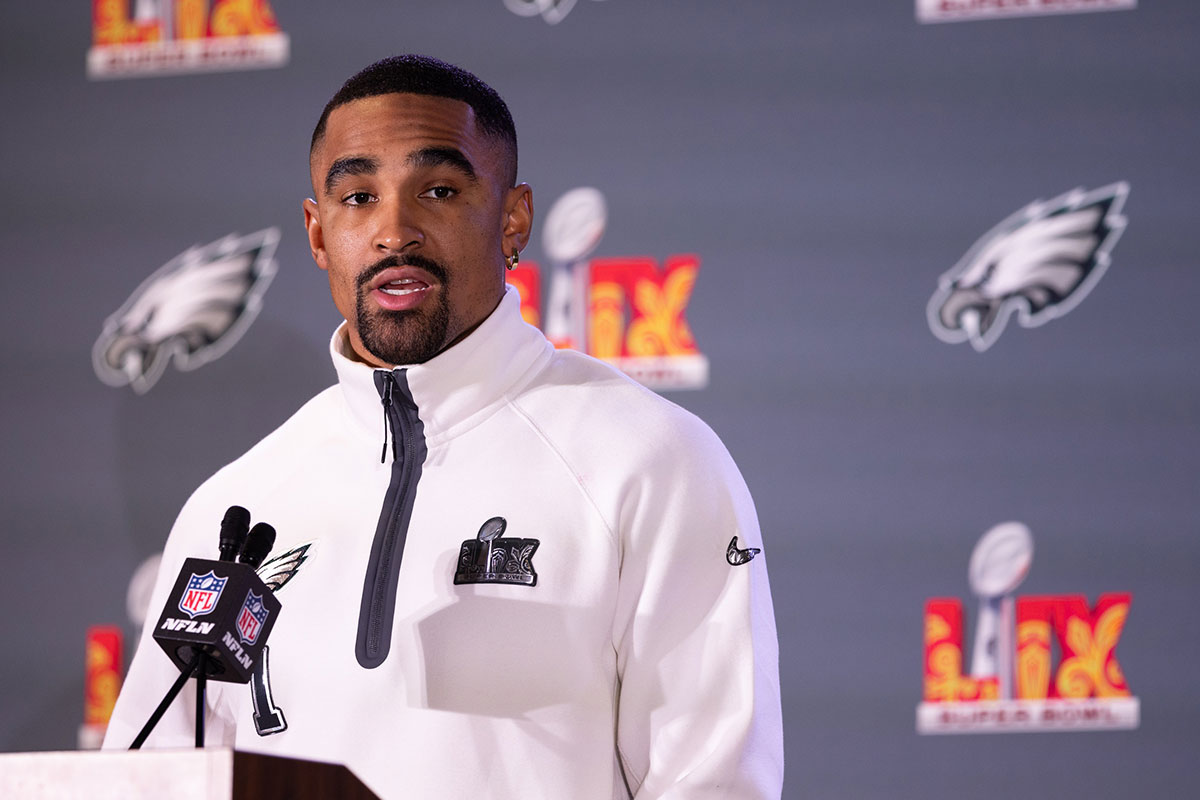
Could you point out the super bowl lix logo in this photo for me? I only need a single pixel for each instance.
(1037, 265)
(489, 559)
(1015, 683)
(627, 311)
(956, 10)
(158, 37)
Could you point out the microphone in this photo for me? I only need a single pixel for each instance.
(259, 542)
(233, 532)
(221, 610)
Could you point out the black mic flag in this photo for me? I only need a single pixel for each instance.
(222, 609)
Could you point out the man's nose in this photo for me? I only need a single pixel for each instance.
(398, 228)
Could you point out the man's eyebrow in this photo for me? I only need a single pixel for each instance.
(442, 156)
(350, 165)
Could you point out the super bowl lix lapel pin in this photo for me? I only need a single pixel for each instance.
(488, 558)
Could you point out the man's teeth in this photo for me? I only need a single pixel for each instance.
(402, 287)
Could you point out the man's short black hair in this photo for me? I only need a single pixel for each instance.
(414, 74)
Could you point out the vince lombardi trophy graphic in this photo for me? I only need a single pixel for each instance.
(574, 226)
(999, 562)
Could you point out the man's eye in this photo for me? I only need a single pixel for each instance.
(439, 193)
(357, 199)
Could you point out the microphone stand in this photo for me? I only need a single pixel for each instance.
(201, 686)
(199, 662)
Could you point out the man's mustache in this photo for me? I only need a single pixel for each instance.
(411, 260)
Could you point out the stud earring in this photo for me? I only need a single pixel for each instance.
(514, 259)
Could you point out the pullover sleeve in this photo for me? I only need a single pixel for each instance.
(697, 654)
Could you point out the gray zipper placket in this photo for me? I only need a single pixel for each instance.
(378, 607)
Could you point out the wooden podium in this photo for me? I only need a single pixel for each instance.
(208, 774)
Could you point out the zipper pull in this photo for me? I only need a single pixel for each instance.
(388, 384)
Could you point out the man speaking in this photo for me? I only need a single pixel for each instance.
(507, 571)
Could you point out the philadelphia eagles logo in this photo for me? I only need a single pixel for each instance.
(1038, 264)
(275, 573)
(192, 309)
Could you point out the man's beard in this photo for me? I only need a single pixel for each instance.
(403, 337)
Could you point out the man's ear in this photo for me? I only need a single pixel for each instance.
(518, 218)
(316, 236)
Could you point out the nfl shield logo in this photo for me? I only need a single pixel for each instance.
(251, 618)
(201, 594)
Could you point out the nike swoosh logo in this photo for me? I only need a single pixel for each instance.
(737, 556)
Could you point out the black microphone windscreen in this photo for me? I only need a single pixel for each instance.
(259, 542)
(233, 532)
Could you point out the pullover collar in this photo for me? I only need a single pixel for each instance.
(458, 387)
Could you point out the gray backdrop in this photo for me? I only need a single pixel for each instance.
(828, 161)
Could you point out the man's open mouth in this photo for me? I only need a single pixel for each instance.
(403, 286)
